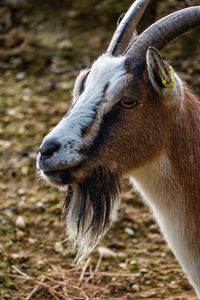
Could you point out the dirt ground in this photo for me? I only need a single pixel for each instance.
(43, 46)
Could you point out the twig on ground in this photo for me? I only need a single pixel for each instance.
(32, 292)
(84, 269)
(21, 273)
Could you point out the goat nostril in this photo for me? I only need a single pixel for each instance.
(49, 148)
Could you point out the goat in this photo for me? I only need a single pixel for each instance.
(132, 116)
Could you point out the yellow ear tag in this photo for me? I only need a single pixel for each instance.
(168, 85)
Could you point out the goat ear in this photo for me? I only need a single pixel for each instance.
(162, 75)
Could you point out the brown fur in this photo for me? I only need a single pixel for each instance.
(184, 153)
(132, 138)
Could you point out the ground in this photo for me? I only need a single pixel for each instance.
(40, 57)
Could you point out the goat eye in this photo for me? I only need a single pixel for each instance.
(128, 103)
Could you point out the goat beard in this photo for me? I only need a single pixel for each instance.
(90, 208)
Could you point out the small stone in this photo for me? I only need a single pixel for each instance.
(19, 235)
(5, 144)
(133, 262)
(20, 255)
(161, 284)
(123, 266)
(58, 248)
(134, 241)
(31, 241)
(20, 76)
(144, 271)
(135, 287)
(148, 282)
(41, 264)
(121, 255)
(11, 111)
(148, 294)
(39, 204)
(105, 252)
(155, 237)
(28, 91)
(154, 228)
(73, 13)
(2, 221)
(129, 231)
(24, 170)
(20, 223)
(14, 256)
(8, 212)
(66, 85)
(21, 192)
(26, 98)
(66, 44)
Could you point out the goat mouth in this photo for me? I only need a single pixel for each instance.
(61, 177)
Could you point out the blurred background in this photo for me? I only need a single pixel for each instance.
(43, 46)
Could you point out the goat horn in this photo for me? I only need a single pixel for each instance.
(164, 31)
(126, 27)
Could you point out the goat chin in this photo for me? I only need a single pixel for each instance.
(90, 208)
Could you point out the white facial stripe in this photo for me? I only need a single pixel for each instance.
(105, 72)
(107, 69)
